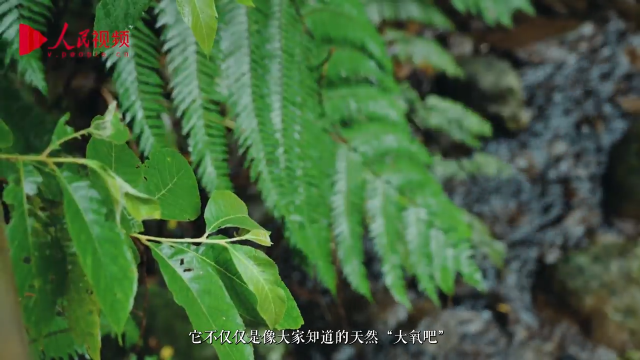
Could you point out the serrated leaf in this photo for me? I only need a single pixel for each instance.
(102, 248)
(348, 220)
(6, 136)
(225, 209)
(170, 180)
(110, 126)
(420, 256)
(420, 51)
(61, 131)
(118, 15)
(469, 270)
(444, 262)
(202, 18)
(261, 275)
(384, 229)
(58, 344)
(292, 319)
(83, 311)
(32, 253)
(454, 119)
(197, 287)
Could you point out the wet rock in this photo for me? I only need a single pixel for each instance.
(554, 204)
(603, 285)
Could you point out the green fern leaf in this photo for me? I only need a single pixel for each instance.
(420, 256)
(407, 10)
(454, 119)
(348, 219)
(328, 24)
(273, 97)
(494, 12)
(35, 13)
(140, 88)
(191, 77)
(422, 51)
(384, 226)
(363, 102)
(349, 66)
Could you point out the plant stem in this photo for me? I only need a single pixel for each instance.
(203, 239)
(64, 139)
(41, 158)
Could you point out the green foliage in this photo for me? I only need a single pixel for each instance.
(420, 51)
(101, 270)
(308, 92)
(119, 15)
(35, 13)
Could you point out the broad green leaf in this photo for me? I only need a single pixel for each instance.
(244, 299)
(32, 253)
(139, 205)
(83, 311)
(196, 287)
(59, 344)
(444, 262)
(225, 209)
(347, 204)
(110, 126)
(102, 248)
(292, 319)
(169, 179)
(261, 275)
(202, 18)
(119, 158)
(260, 237)
(6, 136)
(61, 131)
(246, 2)
(119, 15)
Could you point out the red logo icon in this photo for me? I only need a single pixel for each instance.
(29, 39)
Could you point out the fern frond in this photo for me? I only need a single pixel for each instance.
(363, 102)
(35, 13)
(349, 66)
(494, 12)
(407, 10)
(479, 164)
(454, 119)
(421, 51)
(273, 98)
(348, 219)
(384, 225)
(140, 88)
(392, 164)
(192, 75)
(342, 25)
